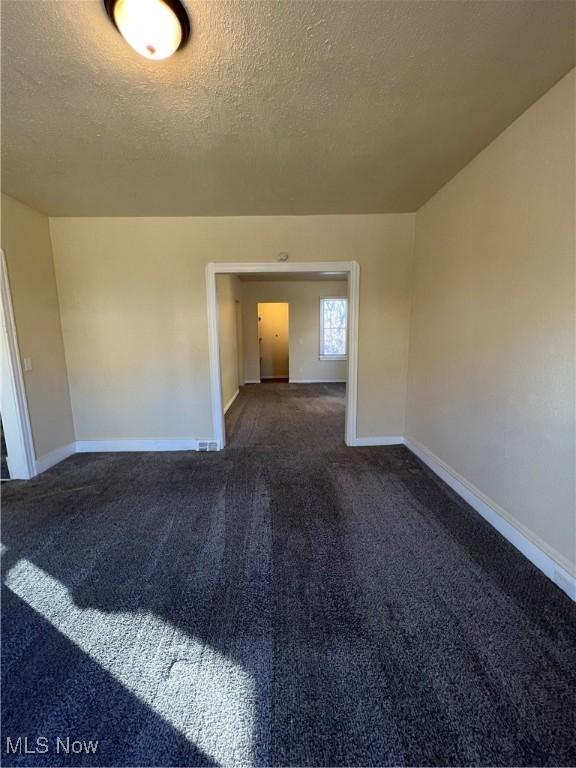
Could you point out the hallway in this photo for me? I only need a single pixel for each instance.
(287, 417)
(287, 601)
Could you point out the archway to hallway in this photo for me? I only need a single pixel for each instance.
(349, 270)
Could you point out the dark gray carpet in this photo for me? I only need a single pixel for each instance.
(289, 601)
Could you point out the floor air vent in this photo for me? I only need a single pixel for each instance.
(207, 445)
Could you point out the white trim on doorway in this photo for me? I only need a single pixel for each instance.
(351, 268)
(14, 405)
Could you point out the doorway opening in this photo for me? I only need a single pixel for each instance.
(18, 458)
(273, 334)
(334, 270)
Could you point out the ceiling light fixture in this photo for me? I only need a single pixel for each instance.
(154, 28)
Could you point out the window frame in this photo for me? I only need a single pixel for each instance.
(322, 355)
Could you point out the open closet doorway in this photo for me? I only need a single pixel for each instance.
(18, 461)
(273, 335)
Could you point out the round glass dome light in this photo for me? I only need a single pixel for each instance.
(154, 28)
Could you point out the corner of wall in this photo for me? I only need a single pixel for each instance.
(58, 297)
(27, 242)
(411, 284)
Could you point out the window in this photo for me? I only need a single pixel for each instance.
(333, 329)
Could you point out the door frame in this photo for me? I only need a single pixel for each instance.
(351, 268)
(15, 415)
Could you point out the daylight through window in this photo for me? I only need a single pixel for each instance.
(333, 328)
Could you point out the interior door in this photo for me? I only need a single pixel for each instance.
(273, 334)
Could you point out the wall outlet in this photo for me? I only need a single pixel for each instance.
(27, 363)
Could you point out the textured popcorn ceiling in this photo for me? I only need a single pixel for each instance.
(276, 107)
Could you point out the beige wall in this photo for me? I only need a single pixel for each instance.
(227, 296)
(303, 297)
(26, 243)
(133, 300)
(491, 377)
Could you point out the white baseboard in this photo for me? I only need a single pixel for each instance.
(54, 457)
(317, 381)
(297, 381)
(363, 442)
(547, 560)
(115, 446)
(550, 562)
(229, 403)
